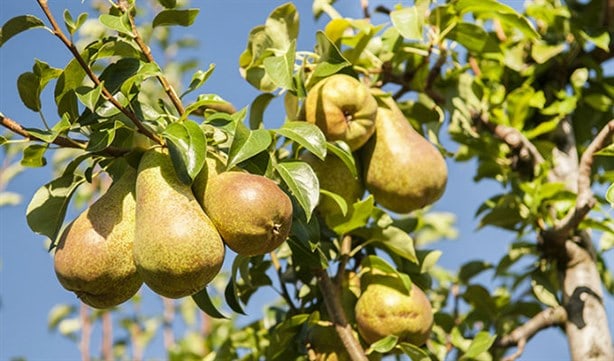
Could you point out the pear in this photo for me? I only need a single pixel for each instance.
(177, 249)
(343, 108)
(215, 163)
(335, 177)
(93, 257)
(251, 212)
(385, 309)
(402, 170)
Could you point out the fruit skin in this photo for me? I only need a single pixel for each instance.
(402, 170)
(343, 108)
(335, 177)
(177, 249)
(385, 309)
(93, 257)
(251, 212)
(215, 164)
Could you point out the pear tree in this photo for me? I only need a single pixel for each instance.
(206, 204)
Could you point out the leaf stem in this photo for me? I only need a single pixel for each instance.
(284, 290)
(57, 31)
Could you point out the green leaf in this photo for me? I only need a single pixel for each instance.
(282, 26)
(47, 209)
(103, 136)
(58, 313)
(542, 51)
(342, 150)
(331, 60)
(339, 200)
(480, 344)
(28, 86)
(543, 290)
(357, 217)
(493, 9)
(203, 301)
(609, 195)
(471, 269)
(306, 134)
(302, 182)
(187, 144)
(169, 4)
(120, 24)
(89, 96)
(474, 38)
(409, 22)
(383, 345)
(256, 113)
(198, 79)
(280, 69)
(19, 24)
(34, 155)
(175, 17)
(232, 292)
(50, 135)
(247, 143)
(9, 199)
(414, 352)
(599, 102)
(398, 241)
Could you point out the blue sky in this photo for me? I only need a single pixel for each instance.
(28, 287)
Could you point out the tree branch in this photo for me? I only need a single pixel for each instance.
(57, 31)
(170, 91)
(585, 200)
(547, 318)
(512, 137)
(64, 142)
(335, 310)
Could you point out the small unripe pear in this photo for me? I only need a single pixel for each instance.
(385, 309)
(251, 212)
(343, 108)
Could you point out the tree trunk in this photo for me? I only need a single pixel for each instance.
(586, 327)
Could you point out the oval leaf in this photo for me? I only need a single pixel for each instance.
(303, 183)
(203, 301)
(306, 134)
(175, 17)
(187, 144)
(17, 25)
(247, 143)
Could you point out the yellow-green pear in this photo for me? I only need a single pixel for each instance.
(385, 309)
(93, 257)
(343, 108)
(402, 170)
(335, 177)
(251, 212)
(177, 249)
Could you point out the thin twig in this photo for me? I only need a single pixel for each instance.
(364, 4)
(57, 31)
(335, 310)
(107, 337)
(519, 337)
(86, 332)
(168, 318)
(170, 91)
(284, 289)
(64, 142)
(344, 257)
(584, 200)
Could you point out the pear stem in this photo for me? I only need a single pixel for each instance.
(335, 310)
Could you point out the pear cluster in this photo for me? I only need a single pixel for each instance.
(151, 228)
(399, 167)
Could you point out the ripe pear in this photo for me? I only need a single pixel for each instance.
(343, 108)
(402, 170)
(93, 257)
(385, 309)
(335, 177)
(215, 163)
(177, 249)
(251, 212)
